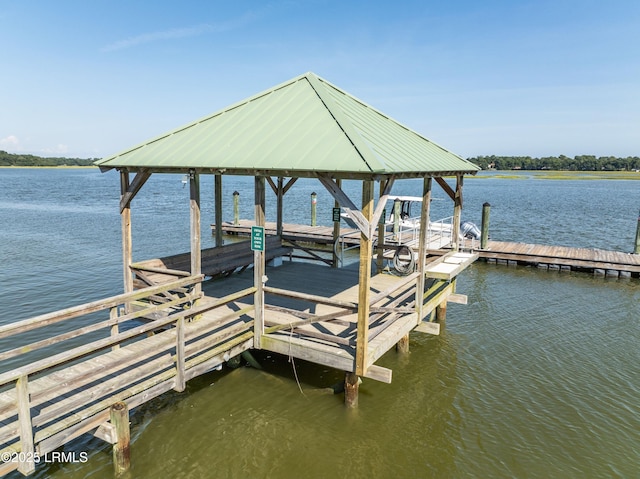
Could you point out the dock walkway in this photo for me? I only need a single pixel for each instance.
(562, 258)
(157, 338)
(598, 261)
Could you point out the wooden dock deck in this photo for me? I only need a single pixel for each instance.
(560, 258)
(46, 400)
(157, 338)
(563, 258)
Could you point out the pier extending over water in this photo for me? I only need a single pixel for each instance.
(549, 257)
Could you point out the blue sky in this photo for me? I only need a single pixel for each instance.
(90, 78)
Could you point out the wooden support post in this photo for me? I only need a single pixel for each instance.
(441, 312)
(236, 208)
(484, 236)
(402, 346)
(422, 247)
(280, 199)
(380, 246)
(457, 213)
(125, 216)
(336, 231)
(396, 220)
(351, 386)
(259, 264)
(636, 250)
(196, 249)
(314, 205)
(121, 448)
(364, 293)
(26, 458)
(218, 208)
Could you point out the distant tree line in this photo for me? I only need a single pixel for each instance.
(14, 159)
(577, 163)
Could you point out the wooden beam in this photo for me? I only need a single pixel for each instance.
(382, 202)
(312, 298)
(132, 189)
(422, 245)
(364, 290)
(289, 185)
(127, 247)
(218, 207)
(457, 213)
(363, 224)
(279, 208)
(196, 248)
(445, 186)
(259, 264)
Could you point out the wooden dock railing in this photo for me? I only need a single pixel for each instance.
(64, 385)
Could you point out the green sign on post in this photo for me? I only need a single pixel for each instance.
(257, 238)
(336, 214)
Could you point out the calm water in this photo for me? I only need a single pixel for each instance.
(538, 376)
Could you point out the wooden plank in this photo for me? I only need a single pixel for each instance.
(428, 327)
(457, 298)
(392, 334)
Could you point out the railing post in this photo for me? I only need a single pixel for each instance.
(180, 376)
(27, 450)
(396, 219)
(115, 329)
(484, 236)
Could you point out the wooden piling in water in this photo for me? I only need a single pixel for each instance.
(351, 385)
(236, 208)
(402, 346)
(636, 250)
(314, 206)
(121, 448)
(441, 312)
(484, 235)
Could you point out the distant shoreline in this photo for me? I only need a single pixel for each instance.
(56, 167)
(484, 174)
(558, 175)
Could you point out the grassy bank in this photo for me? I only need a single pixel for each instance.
(560, 175)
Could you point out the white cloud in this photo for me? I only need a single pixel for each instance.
(10, 142)
(179, 33)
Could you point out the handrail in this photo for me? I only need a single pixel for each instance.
(441, 229)
(92, 307)
(86, 349)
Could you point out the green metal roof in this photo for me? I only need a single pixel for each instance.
(298, 128)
